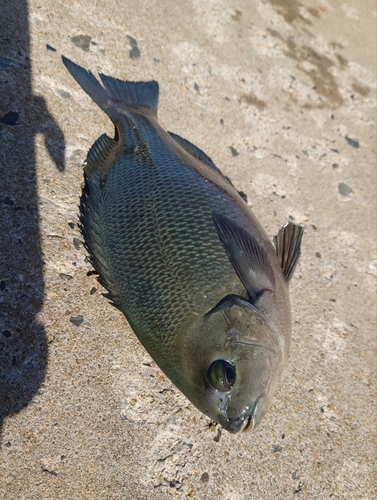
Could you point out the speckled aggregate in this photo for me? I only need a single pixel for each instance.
(85, 412)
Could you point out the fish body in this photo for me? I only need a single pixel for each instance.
(184, 258)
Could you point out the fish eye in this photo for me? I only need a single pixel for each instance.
(222, 375)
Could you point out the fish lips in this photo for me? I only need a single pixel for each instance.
(244, 422)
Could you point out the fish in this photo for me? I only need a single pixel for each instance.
(183, 257)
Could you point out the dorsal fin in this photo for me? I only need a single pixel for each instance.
(248, 258)
(116, 94)
(288, 248)
(194, 151)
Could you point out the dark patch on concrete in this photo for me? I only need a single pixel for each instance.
(290, 10)
(336, 45)
(323, 81)
(196, 87)
(10, 118)
(277, 448)
(342, 61)
(134, 53)
(8, 201)
(233, 151)
(49, 47)
(299, 487)
(344, 189)
(352, 142)
(237, 16)
(314, 12)
(360, 89)
(253, 100)
(82, 42)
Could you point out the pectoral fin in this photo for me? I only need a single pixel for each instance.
(248, 258)
(288, 247)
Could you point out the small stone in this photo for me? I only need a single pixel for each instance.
(77, 157)
(76, 243)
(343, 189)
(233, 151)
(205, 477)
(64, 94)
(76, 320)
(10, 118)
(82, 41)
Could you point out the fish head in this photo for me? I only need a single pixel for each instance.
(238, 357)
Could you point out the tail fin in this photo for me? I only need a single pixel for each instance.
(116, 93)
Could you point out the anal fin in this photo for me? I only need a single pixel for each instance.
(288, 247)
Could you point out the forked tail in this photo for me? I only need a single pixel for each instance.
(115, 95)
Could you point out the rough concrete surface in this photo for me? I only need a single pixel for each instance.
(281, 94)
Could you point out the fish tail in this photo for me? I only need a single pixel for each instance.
(116, 94)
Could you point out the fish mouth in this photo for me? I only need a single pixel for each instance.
(244, 422)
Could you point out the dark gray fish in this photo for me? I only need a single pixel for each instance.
(185, 260)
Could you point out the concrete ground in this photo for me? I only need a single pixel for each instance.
(281, 94)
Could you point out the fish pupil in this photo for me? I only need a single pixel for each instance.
(229, 374)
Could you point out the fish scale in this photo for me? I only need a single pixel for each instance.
(183, 252)
(184, 258)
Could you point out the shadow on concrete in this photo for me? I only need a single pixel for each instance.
(23, 346)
